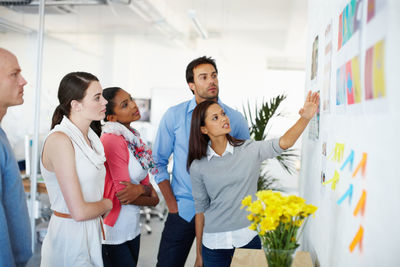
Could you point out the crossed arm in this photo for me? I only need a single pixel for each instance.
(59, 157)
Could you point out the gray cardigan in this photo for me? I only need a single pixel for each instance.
(219, 185)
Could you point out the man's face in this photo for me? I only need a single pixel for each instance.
(11, 81)
(205, 86)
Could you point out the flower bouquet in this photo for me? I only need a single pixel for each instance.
(277, 220)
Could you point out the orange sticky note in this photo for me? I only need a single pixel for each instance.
(361, 165)
(357, 239)
(361, 204)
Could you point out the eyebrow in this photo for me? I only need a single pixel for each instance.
(125, 100)
(205, 73)
(97, 94)
(16, 70)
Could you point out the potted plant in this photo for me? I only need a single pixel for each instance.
(259, 131)
(277, 220)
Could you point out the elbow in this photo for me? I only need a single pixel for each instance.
(78, 216)
(156, 201)
(285, 144)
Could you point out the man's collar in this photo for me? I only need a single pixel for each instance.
(193, 104)
(211, 153)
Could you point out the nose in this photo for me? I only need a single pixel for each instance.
(104, 100)
(133, 104)
(23, 82)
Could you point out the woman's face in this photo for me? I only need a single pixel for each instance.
(93, 105)
(216, 122)
(125, 108)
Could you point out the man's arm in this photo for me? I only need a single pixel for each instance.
(169, 196)
(162, 150)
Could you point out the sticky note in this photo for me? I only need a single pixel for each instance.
(350, 159)
(357, 239)
(361, 204)
(334, 180)
(338, 152)
(361, 165)
(349, 194)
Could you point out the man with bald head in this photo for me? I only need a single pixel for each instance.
(15, 234)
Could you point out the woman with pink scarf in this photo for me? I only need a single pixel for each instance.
(128, 161)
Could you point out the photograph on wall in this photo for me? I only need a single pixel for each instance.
(326, 94)
(349, 21)
(144, 105)
(374, 7)
(353, 83)
(374, 71)
(314, 62)
(313, 126)
(341, 86)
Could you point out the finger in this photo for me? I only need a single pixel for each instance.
(308, 96)
(316, 97)
(317, 101)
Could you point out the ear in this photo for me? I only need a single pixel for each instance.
(192, 87)
(112, 118)
(76, 105)
(203, 130)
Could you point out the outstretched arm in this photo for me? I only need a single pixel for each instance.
(307, 112)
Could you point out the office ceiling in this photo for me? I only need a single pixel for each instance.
(278, 27)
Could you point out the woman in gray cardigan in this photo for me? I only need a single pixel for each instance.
(223, 171)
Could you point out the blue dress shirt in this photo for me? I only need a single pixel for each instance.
(173, 138)
(15, 230)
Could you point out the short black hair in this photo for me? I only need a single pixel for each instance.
(196, 62)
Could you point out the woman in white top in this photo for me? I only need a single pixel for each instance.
(72, 165)
(129, 160)
(223, 170)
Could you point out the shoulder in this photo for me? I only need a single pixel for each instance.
(58, 139)
(195, 166)
(176, 110)
(114, 144)
(248, 144)
(112, 139)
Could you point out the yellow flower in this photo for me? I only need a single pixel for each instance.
(246, 201)
(253, 226)
(256, 207)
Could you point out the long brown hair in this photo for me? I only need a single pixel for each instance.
(198, 141)
(73, 87)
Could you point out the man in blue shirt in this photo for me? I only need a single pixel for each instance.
(15, 233)
(173, 138)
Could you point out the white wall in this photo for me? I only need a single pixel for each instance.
(371, 127)
(144, 66)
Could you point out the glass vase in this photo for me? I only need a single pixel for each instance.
(279, 257)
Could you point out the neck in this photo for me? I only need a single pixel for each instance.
(127, 125)
(82, 124)
(199, 100)
(3, 111)
(218, 144)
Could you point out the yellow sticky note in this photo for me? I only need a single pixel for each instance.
(338, 152)
(361, 204)
(361, 165)
(334, 180)
(378, 70)
(357, 239)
